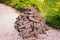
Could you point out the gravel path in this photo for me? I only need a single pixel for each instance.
(7, 32)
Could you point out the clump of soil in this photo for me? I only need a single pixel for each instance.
(30, 23)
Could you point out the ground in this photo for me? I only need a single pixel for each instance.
(8, 32)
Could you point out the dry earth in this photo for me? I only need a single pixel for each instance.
(7, 31)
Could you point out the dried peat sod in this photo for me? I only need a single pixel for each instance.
(30, 23)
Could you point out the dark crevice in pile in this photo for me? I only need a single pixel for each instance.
(30, 23)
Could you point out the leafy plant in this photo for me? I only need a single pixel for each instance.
(51, 12)
(20, 4)
(3, 1)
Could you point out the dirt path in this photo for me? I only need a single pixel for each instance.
(7, 31)
(7, 19)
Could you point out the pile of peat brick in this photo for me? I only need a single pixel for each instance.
(30, 23)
